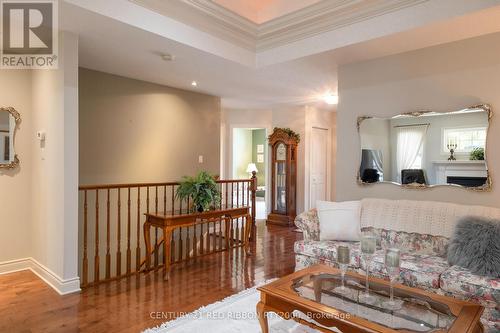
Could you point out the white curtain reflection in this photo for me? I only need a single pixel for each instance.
(410, 140)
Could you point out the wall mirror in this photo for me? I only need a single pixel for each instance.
(9, 121)
(425, 149)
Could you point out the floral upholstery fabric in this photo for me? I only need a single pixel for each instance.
(326, 251)
(417, 270)
(308, 223)
(461, 283)
(423, 264)
(410, 242)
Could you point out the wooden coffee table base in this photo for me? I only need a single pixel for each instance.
(280, 297)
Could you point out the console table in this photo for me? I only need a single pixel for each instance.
(168, 222)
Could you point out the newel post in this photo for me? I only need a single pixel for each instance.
(254, 195)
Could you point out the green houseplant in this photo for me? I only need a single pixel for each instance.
(477, 154)
(201, 189)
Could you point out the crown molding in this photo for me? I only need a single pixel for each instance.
(324, 16)
(209, 17)
(321, 17)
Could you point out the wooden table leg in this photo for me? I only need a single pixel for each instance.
(262, 315)
(147, 240)
(248, 230)
(167, 253)
(318, 291)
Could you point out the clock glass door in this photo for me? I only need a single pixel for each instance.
(280, 179)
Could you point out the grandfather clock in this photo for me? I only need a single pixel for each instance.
(283, 144)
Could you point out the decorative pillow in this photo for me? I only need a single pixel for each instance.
(475, 245)
(339, 220)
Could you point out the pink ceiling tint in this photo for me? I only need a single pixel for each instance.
(260, 11)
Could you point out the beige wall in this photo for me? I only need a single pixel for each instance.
(15, 185)
(442, 78)
(55, 167)
(39, 200)
(134, 131)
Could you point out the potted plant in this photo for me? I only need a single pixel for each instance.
(477, 154)
(201, 189)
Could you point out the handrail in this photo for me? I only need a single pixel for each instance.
(134, 185)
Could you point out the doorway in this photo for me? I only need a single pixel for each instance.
(249, 152)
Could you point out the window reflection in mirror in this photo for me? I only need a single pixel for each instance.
(426, 149)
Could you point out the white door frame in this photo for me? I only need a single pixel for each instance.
(308, 196)
(229, 163)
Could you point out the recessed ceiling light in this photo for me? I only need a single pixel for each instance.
(331, 99)
(194, 84)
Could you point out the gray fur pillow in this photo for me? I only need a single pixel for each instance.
(475, 245)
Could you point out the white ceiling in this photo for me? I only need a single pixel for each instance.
(124, 38)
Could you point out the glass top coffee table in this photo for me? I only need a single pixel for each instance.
(309, 297)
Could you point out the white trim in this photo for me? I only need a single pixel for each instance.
(17, 265)
(267, 157)
(61, 286)
(321, 17)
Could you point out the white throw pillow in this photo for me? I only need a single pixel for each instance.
(339, 220)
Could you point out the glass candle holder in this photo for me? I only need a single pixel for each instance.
(343, 259)
(368, 247)
(392, 265)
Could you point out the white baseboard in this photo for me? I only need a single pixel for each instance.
(63, 287)
(17, 265)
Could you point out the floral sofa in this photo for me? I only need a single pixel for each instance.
(421, 230)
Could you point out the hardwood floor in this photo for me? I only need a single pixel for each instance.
(27, 304)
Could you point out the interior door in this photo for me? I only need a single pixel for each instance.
(319, 165)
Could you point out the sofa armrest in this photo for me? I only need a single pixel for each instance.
(308, 223)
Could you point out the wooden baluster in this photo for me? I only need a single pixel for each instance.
(195, 242)
(220, 191)
(220, 234)
(248, 194)
(85, 277)
(209, 238)
(180, 255)
(173, 199)
(119, 237)
(216, 238)
(188, 255)
(108, 232)
(180, 206)
(138, 231)
(237, 194)
(157, 246)
(202, 241)
(96, 254)
(165, 199)
(187, 206)
(232, 194)
(129, 252)
(227, 196)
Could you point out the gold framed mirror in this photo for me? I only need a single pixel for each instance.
(425, 149)
(9, 123)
